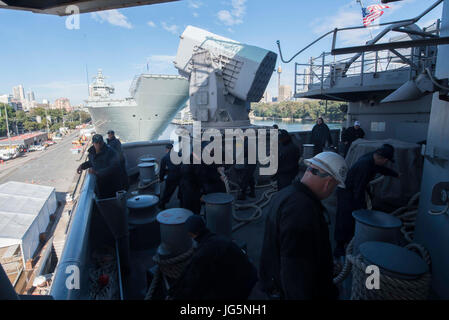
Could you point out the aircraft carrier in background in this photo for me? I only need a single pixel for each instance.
(155, 100)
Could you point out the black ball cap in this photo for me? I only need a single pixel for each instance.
(195, 224)
(98, 138)
(111, 132)
(283, 134)
(386, 151)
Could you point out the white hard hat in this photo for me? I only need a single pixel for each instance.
(332, 163)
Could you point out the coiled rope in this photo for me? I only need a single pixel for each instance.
(392, 288)
(258, 205)
(171, 268)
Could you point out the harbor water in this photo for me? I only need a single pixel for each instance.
(287, 125)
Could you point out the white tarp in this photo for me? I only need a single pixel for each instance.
(25, 211)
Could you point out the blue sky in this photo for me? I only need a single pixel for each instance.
(39, 52)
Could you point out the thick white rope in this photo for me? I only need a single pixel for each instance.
(258, 205)
(407, 215)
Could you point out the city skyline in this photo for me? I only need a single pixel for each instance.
(126, 42)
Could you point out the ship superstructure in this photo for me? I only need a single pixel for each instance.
(154, 101)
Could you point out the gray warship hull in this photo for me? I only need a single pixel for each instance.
(155, 101)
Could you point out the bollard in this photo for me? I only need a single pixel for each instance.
(148, 159)
(219, 208)
(146, 172)
(174, 237)
(402, 274)
(373, 225)
(142, 209)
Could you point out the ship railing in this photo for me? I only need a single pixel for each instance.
(71, 274)
(323, 74)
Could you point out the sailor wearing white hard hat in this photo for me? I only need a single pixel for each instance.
(296, 261)
(331, 163)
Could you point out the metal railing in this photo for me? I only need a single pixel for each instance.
(324, 71)
(76, 246)
(322, 74)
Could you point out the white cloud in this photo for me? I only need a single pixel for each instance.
(113, 17)
(151, 24)
(170, 28)
(233, 16)
(195, 4)
(349, 15)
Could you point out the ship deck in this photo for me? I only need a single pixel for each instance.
(249, 236)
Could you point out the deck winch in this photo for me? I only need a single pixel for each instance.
(174, 237)
(219, 209)
(142, 209)
(373, 225)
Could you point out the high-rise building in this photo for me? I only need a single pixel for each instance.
(62, 103)
(17, 105)
(285, 93)
(30, 96)
(5, 98)
(18, 93)
(266, 97)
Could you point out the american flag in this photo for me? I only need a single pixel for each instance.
(372, 12)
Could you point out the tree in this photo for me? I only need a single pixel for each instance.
(11, 115)
(306, 110)
(30, 125)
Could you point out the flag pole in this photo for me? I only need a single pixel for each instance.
(361, 6)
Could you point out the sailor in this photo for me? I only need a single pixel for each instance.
(173, 175)
(353, 196)
(351, 134)
(296, 261)
(288, 157)
(246, 181)
(320, 135)
(115, 144)
(103, 161)
(189, 192)
(209, 174)
(245, 174)
(219, 270)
